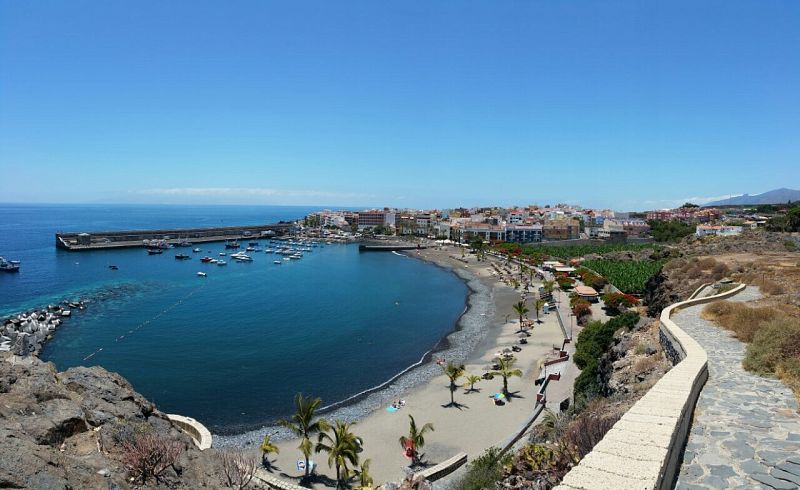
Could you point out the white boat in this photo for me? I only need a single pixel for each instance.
(221, 262)
(241, 257)
(250, 249)
(202, 274)
(269, 251)
(196, 250)
(277, 262)
(222, 254)
(286, 258)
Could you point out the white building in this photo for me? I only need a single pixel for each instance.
(710, 230)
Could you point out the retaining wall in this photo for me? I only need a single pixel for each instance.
(197, 431)
(644, 448)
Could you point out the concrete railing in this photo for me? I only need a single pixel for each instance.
(444, 468)
(197, 431)
(644, 448)
(275, 482)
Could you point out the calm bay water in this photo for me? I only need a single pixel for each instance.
(233, 348)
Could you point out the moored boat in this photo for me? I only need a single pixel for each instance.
(9, 265)
(206, 259)
(155, 251)
(202, 274)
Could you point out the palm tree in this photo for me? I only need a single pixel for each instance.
(415, 440)
(267, 448)
(342, 449)
(472, 379)
(303, 424)
(539, 304)
(506, 370)
(364, 478)
(453, 372)
(548, 286)
(521, 309)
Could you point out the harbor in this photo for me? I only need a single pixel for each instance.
(99, 240)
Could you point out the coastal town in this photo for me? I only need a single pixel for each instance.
(563, 351)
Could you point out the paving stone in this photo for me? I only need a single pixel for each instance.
(722, 471)
(773, 482)
(783, 475)
(790, 467)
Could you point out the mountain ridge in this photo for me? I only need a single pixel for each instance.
(775, 196)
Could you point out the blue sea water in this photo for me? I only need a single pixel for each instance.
(233, 348)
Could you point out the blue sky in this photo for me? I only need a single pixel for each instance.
(631, 105)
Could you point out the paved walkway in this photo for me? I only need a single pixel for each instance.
(746, 430)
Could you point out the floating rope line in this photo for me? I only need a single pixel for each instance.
(151, 320)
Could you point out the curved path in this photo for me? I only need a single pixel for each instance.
(746, 429)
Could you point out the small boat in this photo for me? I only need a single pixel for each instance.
(206, 259)
(269, 251)
(253, 244)
(196, 250)
(113, 267)
(155, 251)
(241, 257)
(221, 262)
(202, 274)
(233, 244)
(278, 262)
(213, 261)
(182, 256)
(9, 265)
(185, 243)
(222, 254)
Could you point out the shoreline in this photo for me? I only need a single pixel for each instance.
(471, 330)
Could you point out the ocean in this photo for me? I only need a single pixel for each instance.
(233, 348)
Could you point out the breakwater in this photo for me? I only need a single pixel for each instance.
(99, 240)
(23, 334)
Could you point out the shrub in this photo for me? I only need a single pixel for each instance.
(773, 343)
(615, 302)
(582, 310)
(149, 456)
(485, 470)
(790, 246)
(587, 430)
(238, 467)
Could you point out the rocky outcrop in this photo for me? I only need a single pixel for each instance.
(67, 430)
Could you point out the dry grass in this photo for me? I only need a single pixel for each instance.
(646, 364)
(744, 321)
(772, 335)
(766, 286)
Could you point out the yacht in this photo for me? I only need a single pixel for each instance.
(278, 262)
(206, 259)
(154, 251)
(196, 250)
(221, 262)
(250, 249)
(182, 256)
(9, 265)
(202, 274)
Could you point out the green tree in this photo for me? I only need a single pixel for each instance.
(453, 372)
(342, 448)
(506, 370)
(549, 286)
(538, 304)
(478, 246)
(472, 379)
(415, 440)
(521, 309)
(303, 424)
(267, 447)
(364, 478)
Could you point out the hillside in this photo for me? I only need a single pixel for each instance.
(777, 196)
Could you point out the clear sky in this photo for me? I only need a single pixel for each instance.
(414, 103)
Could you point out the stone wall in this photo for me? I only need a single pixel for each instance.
(643, 450)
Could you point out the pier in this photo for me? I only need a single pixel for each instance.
(99, 240)
(371, 247)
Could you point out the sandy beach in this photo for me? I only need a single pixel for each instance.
(489, 326)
